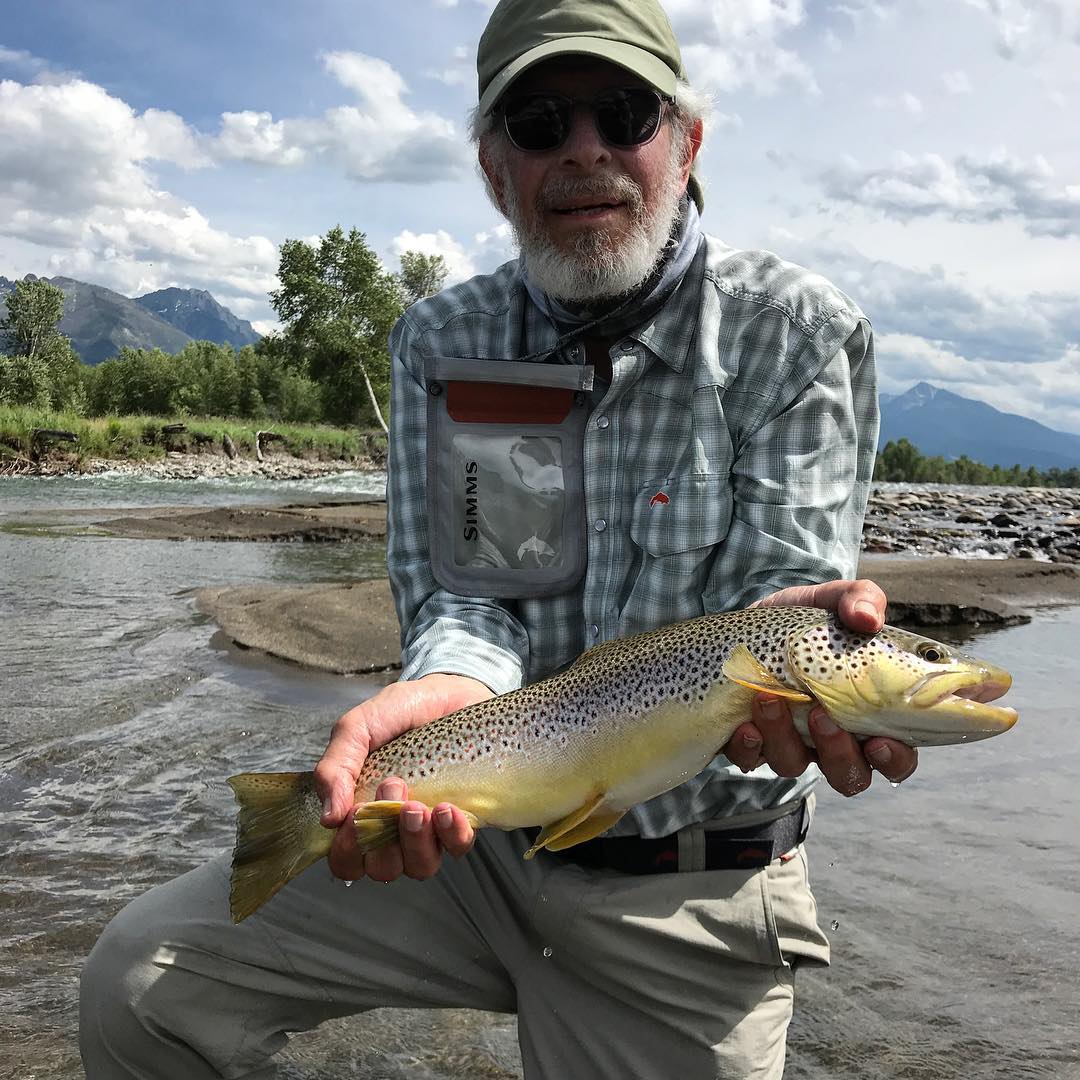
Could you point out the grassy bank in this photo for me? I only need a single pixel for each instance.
(144, 438)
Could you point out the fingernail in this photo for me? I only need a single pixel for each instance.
(414, 820)
(445, 817)
(880, 756)
(751, 741)
(394, 789)
(823, 724)
(327, 806)
(866, 608)
(771, 708)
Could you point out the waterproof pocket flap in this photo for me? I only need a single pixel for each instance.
(506, 515)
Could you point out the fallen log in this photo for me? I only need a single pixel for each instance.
(265, 437)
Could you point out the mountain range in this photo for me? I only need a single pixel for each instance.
(100, 322)
(941, 423)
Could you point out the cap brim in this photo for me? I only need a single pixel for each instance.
(637, 61)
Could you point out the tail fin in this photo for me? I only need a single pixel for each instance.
(376, 824)
(278, 834)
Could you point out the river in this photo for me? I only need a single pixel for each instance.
(952, 901)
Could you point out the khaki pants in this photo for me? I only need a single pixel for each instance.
(614, 976)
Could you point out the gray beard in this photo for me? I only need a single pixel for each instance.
(602, 266)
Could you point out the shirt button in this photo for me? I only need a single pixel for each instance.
(594, 630)
(602, 422)
(627, 346)
(600, 525)
(575, 353)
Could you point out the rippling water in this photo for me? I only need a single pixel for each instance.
(121, 711)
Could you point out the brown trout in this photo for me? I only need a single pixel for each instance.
(628, 720)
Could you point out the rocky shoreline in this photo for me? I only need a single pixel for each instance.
(178, 466)
(976, 522)
(944, 556)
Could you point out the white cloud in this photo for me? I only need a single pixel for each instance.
(256, 137)
(994, 188)
(489, 249)
(69, 147)
(459, 262)
(461, 72)
(860, 10)
(956, 82)
(1046, 390)
(1027, 27)
(75, 181)
(379, 139)
(22, 61)
(1010, 329)
(734, 44)
(906, 101)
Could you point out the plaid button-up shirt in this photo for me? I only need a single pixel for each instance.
(749, 401)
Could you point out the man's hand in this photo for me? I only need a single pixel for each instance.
(770, 737)
(424, 833)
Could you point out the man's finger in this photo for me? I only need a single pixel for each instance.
(860, 604)
(419, 848)
(340, 765)
(453, 829)
(782, 747)
(346, 862)
(840, 757)
(894, 760)
(743, 749)
(387, 863)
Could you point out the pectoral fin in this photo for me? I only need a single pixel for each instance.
(554, 832)
(591, 827)
(744, 668)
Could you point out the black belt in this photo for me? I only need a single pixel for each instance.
(725, 849)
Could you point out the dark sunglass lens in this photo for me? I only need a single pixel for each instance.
(628, 117)
(538, 123)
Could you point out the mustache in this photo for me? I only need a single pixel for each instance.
(606, 187)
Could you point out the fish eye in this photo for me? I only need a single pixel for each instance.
(933, 654)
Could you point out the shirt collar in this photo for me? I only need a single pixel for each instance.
(665, 334)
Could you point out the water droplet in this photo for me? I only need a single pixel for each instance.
(835, 924)
(547, 950)
(894, 784)
(348, 884)
(543, 898)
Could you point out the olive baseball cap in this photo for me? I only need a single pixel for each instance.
(634, 34)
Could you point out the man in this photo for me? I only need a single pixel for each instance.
(717, 454)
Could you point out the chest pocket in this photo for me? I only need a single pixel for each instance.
(681, 515)
(677, 526)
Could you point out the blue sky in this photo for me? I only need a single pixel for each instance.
(925, 156)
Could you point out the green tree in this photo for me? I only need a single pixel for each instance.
(33, 310)
(421, 276)
(42, 370)
(337, 305)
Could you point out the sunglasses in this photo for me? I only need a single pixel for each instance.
(540, 122)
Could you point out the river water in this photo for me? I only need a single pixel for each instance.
(952, 901)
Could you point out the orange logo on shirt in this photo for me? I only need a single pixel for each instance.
(659, 499)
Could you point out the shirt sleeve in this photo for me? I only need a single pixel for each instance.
(801, 478)
(440, 631)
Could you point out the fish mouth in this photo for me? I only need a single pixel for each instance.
(961, 701)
